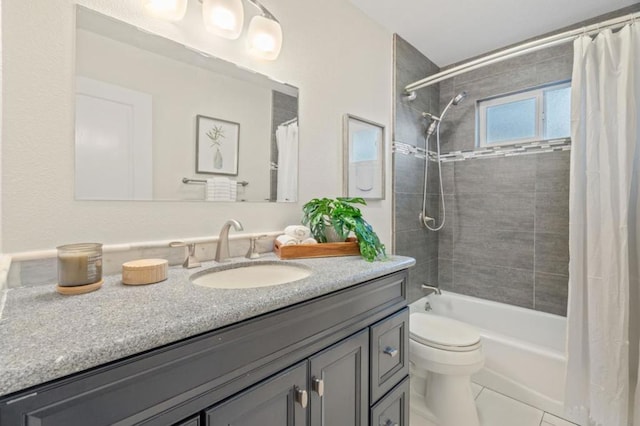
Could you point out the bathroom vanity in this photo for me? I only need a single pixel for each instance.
(339, 357)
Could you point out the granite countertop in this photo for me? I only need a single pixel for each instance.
(46, 335)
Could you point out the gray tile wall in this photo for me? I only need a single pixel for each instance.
(507, 232)
(506, 237)
(411, 239)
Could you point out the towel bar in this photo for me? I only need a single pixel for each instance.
(187, 180)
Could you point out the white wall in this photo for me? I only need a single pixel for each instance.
(180, 92)
(340, 60)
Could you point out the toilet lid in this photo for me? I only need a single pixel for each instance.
(438, 331)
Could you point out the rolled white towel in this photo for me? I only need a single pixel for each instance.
(298, 232)
(309, 241)
(286, 240)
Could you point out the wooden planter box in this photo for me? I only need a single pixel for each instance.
(300, 251)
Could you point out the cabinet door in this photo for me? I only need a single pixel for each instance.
(279, 401)
(340, 383)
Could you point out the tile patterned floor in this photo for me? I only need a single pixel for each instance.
(495, 409)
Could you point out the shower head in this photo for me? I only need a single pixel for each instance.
(435, 120)
(459, 98)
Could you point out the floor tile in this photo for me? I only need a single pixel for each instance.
(495, 409)
(419, 408)
(415, 419)
(476, 389)
(551, 420)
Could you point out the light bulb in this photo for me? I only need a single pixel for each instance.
(264, 37)
(223, 17)
(171, 10)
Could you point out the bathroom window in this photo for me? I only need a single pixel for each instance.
(536, 114)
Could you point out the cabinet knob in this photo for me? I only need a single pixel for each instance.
(318, 386)
(391, 351)
(390, 422)
(302, 397)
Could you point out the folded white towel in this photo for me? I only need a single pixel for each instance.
(309, 241)
(221, 189)
(233, 193)
(298, 232)
(286, 240)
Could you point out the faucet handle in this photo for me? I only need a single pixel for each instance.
(252, 253)
(191, 261)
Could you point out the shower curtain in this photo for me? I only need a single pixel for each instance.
(287, 140)
(604, 230)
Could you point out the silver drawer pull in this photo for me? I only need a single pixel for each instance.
(392, 352)
(318, 386)
(390, 423)
(302, 397)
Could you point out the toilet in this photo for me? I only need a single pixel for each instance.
(444, 353)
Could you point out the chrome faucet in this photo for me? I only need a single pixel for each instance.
(222, 252)
(436, 290)
(433, 289)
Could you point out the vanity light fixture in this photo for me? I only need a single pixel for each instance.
(225, 18)
(264, 37)
(170, 10)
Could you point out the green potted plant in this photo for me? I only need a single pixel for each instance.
(341, 217)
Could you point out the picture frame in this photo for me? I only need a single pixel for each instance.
(217, 146)
(363, 158)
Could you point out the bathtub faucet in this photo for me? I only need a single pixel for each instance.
(433, 289)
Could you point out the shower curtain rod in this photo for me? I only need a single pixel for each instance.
(521, 49)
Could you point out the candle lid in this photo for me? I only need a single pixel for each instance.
(80, 246)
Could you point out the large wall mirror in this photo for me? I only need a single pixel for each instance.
(158, 121)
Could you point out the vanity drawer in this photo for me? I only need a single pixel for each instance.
(389, 353)
(393, 409)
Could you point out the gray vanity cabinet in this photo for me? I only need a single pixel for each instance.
(282, 400)
(324, 361)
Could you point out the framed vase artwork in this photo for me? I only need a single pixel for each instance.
(363, 168)
(217, 143)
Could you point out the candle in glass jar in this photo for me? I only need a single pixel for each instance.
(79, 264)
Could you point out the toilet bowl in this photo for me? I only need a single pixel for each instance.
(444, 353)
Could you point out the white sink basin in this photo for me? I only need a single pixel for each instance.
(250, 275)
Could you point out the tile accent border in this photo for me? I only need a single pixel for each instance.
(537, 147)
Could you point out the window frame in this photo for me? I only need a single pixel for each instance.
(536, 93)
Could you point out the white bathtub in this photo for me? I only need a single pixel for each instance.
(524, 349)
